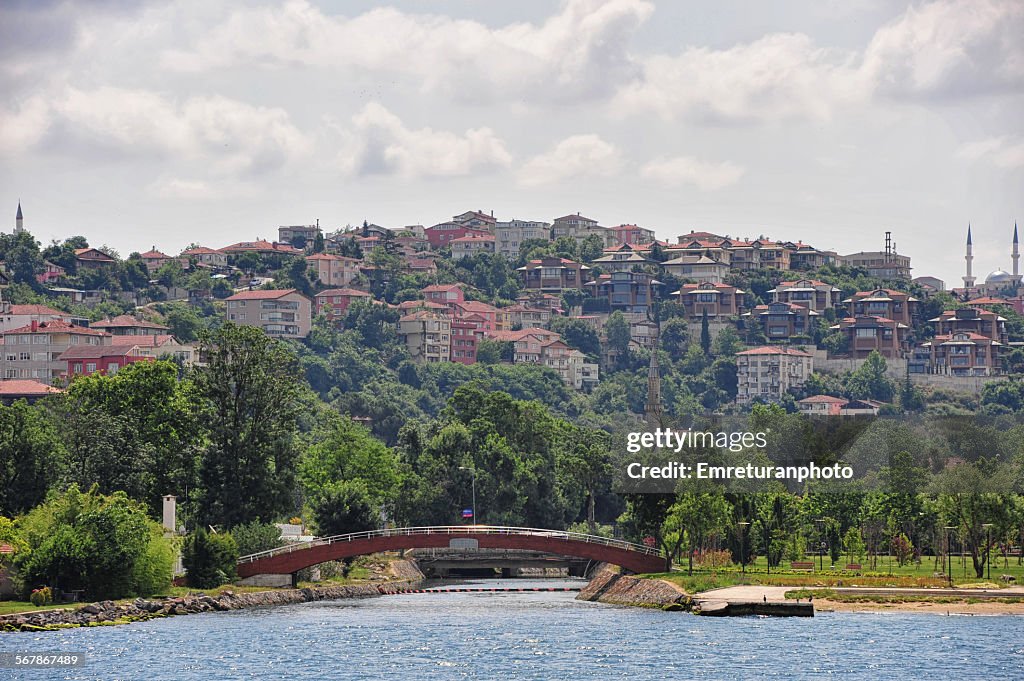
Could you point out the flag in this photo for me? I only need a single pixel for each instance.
(467, 513)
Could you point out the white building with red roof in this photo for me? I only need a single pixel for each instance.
(471, 245)
(154, 259)
(33, 351)
(25, 389)
(129, 325)
(16, 316)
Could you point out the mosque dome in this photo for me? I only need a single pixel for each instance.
(999, 277)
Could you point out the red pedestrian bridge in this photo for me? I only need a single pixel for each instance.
(295, 556)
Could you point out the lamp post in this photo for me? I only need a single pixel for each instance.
(820, 522)
(743, 545)
(988, 549)
(949, 553)
(472, 470)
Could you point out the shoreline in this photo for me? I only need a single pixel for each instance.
(960, 608)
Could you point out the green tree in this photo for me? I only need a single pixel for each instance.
(209, 559)
(616, 330)
(251, 393)
(490, 351)
(705, 333)
(29, 452)
(869, 381)
(255, 536)
(695, 516)
(578, 334)
(343, 507)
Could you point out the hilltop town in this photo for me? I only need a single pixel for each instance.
(735, 320)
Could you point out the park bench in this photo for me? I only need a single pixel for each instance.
(853, 567)
(801, 566)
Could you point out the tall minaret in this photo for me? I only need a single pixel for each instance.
(969, 278)
(19, 221)
(652, 410)
(1016, 256)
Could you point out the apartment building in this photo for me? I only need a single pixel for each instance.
(879, 264)
(17, 316)
(768, 373)
(466, 334)
(810, 293)
(86, 360)
(718, 300)
(806, 257)
(34, 351)
(553, 275)
(785, 322)
(964, 353)
(204, 256)
(471, 245)
(286, 234)
(632, 234)
(524, 317)
(427, 335)
(445, 294)
(334, 302)
(971, 320)
(622, 259)
(510, 235)
(579, 228)
(282, 313)
(866, 333)
(129, 325)
(442, 234)
(698, 267)
(884, 302)
(332, 270)
(629, 292)
(160, 346)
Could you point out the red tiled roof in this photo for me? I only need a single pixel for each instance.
(351, 292)
(476, 306)
(57, 325)
(442, 288)
(822, 399)
(775, 350)
(200, 250)
(146, 341)
(36, 310)
(25, 388)
(330, 256)
(97, 351)
(521, 334)
(154, 254)
(126, 321)
(472, 239)
(260, 245)
(261, 294)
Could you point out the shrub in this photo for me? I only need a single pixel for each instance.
(255, 537)
(41, 597)
(209, 559)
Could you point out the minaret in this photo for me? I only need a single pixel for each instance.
(969, 278)
(19, 221)
(652, 410)
(1016, 256)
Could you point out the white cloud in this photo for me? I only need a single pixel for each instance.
(579, 53)
(574, 157)
(705, 175)
(22, 128)
(779, 76)
(379, 143)
(225, 135)
(951, 48)
(1003, 152)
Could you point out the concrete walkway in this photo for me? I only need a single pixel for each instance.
(746, 594)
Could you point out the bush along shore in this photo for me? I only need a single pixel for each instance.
(105, 613)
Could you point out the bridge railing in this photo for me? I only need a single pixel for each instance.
(460, 530)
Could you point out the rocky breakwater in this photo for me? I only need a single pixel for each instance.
(609, 586)
(105, 613)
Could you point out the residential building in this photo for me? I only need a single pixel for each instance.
(92, 258)
(442, 234)
(445, 294)
(335, 271)
(50, 273)
(826, 405)
(494, 319)
(930, 284)
(806, 257)
(334, 302)
(160, 346)
(154, 259)
(260, 247)
(85, 360)
(17, 316)
(24, 389)
(810, 293)
(554, 275)
(884, 302)
(699, 268)
(785, 322)
(129, 325)
(579, 228)
(768, 373)
(204, 256)
(510, 235)
(305, 233)
(281, 312)
(427, 336)
(631, 234)
(866, 333)
(477, 219)
(525, 317)
(879, 264)
(622, 259)
(972, 320)
(718, 300)
(34, 350)
(466, 334)
(625, 291)
(471, 245)
(964, 353)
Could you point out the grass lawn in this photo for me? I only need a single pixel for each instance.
(9, 607)
(885, 572)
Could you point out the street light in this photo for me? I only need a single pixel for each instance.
(988, 549)
(473, 471)
(743, 525)
(949, 553)
(821, 544)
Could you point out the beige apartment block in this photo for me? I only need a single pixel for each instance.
(284, 313)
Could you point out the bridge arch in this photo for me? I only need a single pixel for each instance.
(296, 556)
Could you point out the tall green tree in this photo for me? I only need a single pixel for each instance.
(29, 452)
(250, 388)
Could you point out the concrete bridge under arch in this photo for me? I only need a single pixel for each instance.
(296, 556)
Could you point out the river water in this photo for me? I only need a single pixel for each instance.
(528, 636)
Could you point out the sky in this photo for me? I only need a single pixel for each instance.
(163, 123)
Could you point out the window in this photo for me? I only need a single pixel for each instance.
(77, 369)
(90, 367)
(866, 333)
(113, 367)
(25, 357)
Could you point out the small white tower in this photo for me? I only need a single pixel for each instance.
(19, 221)
(969, 277)
(1016, 256)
